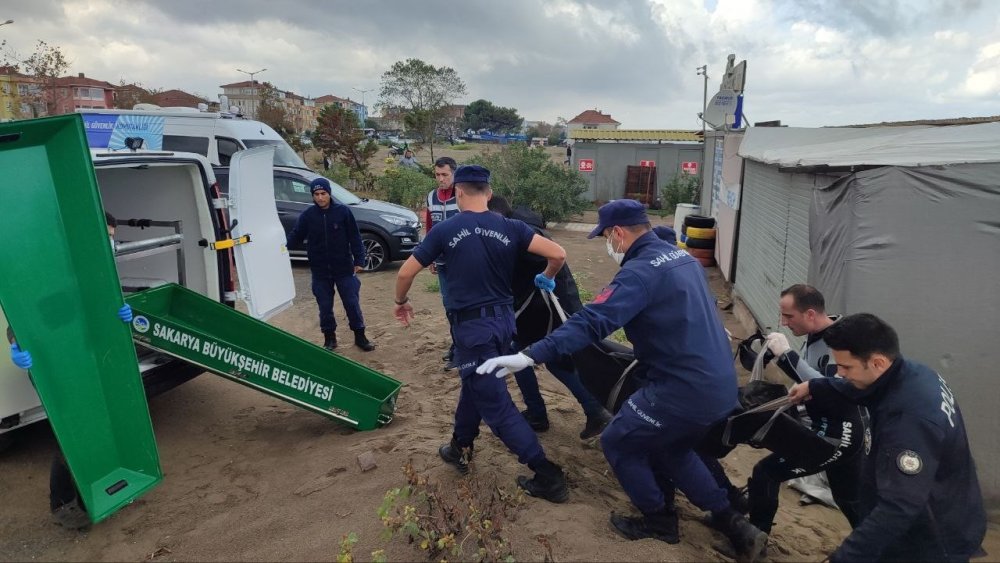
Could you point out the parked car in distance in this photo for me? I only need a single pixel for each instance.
(389, 232)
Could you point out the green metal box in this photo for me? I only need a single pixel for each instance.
(185, 324)
(59, 291)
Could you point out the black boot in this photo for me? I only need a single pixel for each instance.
(749, 543)
(361, 341)
(595, 424)
(537, 423)
(330, 340)
(456, 456)
(661, 525)
(739, 500)
(549, 482)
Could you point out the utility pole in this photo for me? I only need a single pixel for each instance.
(703, 71)
(253, 89)
(363, 92)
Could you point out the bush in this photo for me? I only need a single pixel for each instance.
(527, 176)
(405, 187)
(339, 173)
(682, 188)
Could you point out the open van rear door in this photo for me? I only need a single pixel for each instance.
(265, 271)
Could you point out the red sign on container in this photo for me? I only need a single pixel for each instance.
(690, 168)
(648, 163)
(586, 165)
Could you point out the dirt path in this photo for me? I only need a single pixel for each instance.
(251, 478)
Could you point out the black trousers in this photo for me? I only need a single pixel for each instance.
(845, 483)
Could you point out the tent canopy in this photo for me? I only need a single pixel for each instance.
(792, 147)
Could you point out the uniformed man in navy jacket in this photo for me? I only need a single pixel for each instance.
(662, 300)
(481, 248)
(920, 499)
(336, 256)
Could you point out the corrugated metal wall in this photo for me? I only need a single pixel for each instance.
(774, 239)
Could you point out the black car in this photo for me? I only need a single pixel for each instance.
(389, 232)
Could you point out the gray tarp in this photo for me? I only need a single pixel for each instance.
(879, 146)
(920, 247)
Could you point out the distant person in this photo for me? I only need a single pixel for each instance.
(408, 160)
(569, 153)
(326, 162)
(336, 256)
(442, 204)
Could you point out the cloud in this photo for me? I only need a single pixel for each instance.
(810, 62)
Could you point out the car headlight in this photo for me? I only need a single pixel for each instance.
(394, 219)
(415, 224)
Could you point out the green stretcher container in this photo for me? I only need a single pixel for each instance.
(187, 325)
(59, 291)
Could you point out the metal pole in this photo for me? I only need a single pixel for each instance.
(703, 71)
(363, 92)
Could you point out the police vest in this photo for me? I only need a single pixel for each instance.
(441, 210)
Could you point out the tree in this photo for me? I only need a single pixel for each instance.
(128, 95)
(271, 111)
(421, 90)
(45, 66)
(527, 176)
(370, 123)
(337, 135)
(484, 115)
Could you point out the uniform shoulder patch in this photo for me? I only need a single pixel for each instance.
(604, 295)
(909, 462)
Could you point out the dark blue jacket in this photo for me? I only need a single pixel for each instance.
(333, 242)
(661, 298)
(535, 316)
(920, 499)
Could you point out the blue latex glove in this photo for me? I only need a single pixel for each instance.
(542, 282)
(21, 358)
(125, 313)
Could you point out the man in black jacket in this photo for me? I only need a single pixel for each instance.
(536, 317)
(336, 255)
(920, 498)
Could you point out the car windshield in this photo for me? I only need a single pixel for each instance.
(283, 154)
(341, 194)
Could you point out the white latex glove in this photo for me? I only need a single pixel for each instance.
(778, 344)
(508, 364)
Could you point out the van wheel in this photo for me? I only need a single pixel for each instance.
(376, 252)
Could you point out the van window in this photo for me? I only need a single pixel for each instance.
(283, 154)
(183, 143)
(227, 148)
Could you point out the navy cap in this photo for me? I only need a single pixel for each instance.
(666, 233)
(471, 173)
(320, 184)
(620, 213)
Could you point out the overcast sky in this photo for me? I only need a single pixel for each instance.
(809, 62)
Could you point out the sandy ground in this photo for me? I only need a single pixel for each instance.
(248, 477)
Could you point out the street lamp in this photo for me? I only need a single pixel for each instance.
(363, 92)
(253, 88)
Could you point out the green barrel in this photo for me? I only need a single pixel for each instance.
(187, 325)
(59, 291)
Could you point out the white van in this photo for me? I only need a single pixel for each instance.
(216, 136)
(170, 217)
